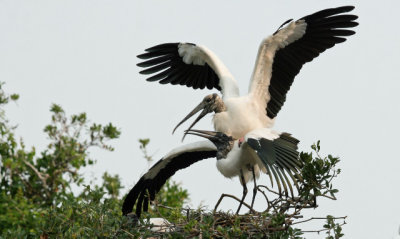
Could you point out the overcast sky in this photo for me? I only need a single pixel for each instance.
(82, 55)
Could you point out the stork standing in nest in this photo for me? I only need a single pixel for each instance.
(261, 150)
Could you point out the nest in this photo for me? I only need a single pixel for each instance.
(279, 215)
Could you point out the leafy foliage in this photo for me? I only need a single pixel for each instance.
(32, 183)
(36, 199)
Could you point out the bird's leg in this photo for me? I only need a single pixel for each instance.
(254, 189)
(244, 190)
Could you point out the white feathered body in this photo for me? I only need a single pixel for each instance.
(242, 116)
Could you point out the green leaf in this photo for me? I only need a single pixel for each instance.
(144, 142)
(56, 109)
(14, 97)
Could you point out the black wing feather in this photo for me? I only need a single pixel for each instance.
(281, 157)
(324, 29)
(166, 56)
(148, 187)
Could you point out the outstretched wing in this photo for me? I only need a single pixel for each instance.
(282, 55)
(151, 182)
(279, 155)
(187, 64)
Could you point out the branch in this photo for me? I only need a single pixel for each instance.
(325, 229)
(269, 190)
(332, 198)
(39, 174)
(231, 196)
(319, 218)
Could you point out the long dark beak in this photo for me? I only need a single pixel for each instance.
(202, 133)
(205, 111)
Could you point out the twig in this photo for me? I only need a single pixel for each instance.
(39, 174)
(269, 190)
(266, 198)
(130, 234)
(166, 207)
(231, 196)
(325, 229)
(319, 218)
(332, 198)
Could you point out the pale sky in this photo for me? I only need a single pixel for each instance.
(82, 55)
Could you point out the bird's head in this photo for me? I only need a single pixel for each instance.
(223, 142)
(210, 103)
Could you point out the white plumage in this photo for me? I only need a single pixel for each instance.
(280, 58)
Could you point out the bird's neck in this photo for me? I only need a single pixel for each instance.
(220, 106)
(223, 150)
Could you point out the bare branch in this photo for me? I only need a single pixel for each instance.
(318, 218)
(231, 196)
(41, 176)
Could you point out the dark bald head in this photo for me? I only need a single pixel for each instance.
(223, 142)
(210, 103)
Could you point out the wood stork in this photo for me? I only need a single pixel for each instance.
(262, 150)
(280, 58)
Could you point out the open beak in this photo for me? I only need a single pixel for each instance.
(202, 133)
(201, 106)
